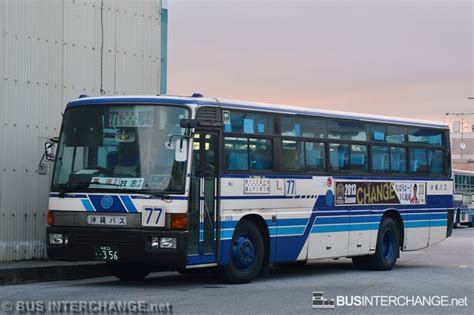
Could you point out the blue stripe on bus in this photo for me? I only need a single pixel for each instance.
(128, 203)
(439, 223)
(341, 223)
(295, 221)
(87, 205)
(227, 234)
(372, 218)
(380, 212)
(116, 206)
(290, 230)
(228, 224)
(327, 228)
(344, 227)
(329, 217)
(290, 247)
(432, 216)
(196, 260)
(444, 201)
(428, 223)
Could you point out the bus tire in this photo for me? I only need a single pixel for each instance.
(246, 254)
(129, 272)
(361, 262)
(457, 219)
(387, 249)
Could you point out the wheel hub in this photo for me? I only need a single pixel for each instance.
(243, 252)
(388, 246)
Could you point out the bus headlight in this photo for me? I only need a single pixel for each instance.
(155, 242)
(58, 239)
(167, 242)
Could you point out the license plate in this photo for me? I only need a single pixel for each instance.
(107, 220)
(109, 253)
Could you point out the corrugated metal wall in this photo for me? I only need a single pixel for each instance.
(50, 52)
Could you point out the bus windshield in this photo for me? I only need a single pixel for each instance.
(120, 147)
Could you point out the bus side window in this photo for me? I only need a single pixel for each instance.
(292, 155)
(261, 154)
(398, 160)
(425, 136)
(380, 159)
(358, 157)
(339, 156)
(418, 161)
(250, 123)
(236, 153)
(315, 156)
(436, 161)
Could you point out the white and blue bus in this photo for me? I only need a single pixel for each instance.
(178, 183)
(462, 199)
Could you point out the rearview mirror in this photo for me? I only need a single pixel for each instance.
(181, 149)
(49, 154)
(50, 147)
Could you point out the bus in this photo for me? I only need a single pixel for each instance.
(462, 198)
(151, 183)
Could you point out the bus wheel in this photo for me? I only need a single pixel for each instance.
(387, 249)
(361, 262)
(246, 254)
(129, 272)
(457, 219)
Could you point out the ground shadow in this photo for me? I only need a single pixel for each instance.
(180, 282)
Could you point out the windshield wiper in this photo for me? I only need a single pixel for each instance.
(78, 187)
(151, 192)
(81, 186)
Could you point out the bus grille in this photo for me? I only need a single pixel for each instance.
(209, 116)
(105, 237)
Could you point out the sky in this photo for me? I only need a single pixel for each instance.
(399, 58)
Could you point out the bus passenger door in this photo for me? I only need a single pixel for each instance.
(203, 199)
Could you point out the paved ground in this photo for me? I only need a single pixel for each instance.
(446, 269)
(49, 270)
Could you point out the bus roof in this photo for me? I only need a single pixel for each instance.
(274, 108)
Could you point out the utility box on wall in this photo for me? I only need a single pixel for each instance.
(50, 52)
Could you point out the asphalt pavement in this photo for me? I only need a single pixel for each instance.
(437, 274)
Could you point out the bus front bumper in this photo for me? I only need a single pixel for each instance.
(133, 245)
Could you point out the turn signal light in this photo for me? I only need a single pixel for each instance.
(178, 221)
(50, 218)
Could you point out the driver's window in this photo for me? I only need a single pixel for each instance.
(65, 161)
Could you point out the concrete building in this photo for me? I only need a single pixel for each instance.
(462, 140)
(50, 52)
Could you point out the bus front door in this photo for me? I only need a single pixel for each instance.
(203, 199)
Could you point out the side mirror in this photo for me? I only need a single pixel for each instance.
(50, 147)
(188, 123)
(181, 149)
(49, 155)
